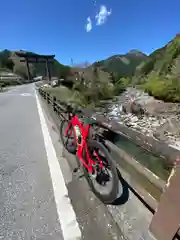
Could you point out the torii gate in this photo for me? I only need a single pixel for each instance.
(36, 58)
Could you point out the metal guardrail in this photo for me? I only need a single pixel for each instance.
(150, 202)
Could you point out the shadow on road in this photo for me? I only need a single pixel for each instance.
(123, 191)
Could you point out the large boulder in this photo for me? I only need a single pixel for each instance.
(133, 107)
(136, 108)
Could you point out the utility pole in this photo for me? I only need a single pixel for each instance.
(72, 62)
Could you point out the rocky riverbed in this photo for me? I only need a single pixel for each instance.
(141, 112)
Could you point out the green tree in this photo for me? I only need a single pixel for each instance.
(64, 71)
(114, 78)
(147, 67)
(9, 64)
(94, 85)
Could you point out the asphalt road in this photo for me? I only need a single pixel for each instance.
(27, 205)
(40, 198)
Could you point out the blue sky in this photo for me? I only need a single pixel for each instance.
(59, 26)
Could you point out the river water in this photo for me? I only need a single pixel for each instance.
(152, 162)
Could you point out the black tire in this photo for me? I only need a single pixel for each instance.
(112, 195)
(70, 148)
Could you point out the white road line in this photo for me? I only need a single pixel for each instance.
(67, 217)
(25, 94)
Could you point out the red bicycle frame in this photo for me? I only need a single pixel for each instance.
(84, 129)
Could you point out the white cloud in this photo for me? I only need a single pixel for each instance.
(101, 17)
(88, 25)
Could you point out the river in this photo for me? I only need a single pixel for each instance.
(154, 163)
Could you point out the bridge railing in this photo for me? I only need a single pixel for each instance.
(165, 224)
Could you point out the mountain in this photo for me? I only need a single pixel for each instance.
(122, 65)
(81, 65)
(162, 61)
(10, 61)
(160, 72)
(119, 65)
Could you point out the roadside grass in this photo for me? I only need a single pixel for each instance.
(66, 95)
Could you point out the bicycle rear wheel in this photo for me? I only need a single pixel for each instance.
(69, 140)
(101, 177)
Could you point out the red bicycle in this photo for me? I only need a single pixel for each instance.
(92, 153)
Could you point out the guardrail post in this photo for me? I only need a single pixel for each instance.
(48, 98)
(54, 104)
(166, 220)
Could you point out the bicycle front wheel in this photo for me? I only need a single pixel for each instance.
(103, 180)
(68, 138)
